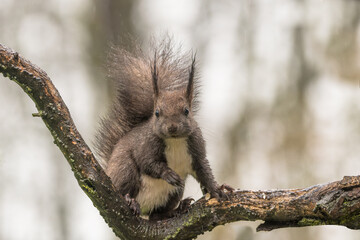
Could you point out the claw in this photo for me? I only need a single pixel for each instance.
(133, 204)
(222, 192)
(227, 188)
(184, 205)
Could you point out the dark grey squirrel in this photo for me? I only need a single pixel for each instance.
(150, 141)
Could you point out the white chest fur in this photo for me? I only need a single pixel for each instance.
(155, 192)
(178, 157)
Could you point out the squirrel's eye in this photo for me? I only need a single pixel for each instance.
(157, 113)
(186, 111)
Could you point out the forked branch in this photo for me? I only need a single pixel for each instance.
(336, 203)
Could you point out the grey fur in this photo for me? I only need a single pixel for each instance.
(156, 101)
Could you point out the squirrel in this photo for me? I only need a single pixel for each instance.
(149, 141)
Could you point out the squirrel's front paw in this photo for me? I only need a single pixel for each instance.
(172, 178)
(222, 192)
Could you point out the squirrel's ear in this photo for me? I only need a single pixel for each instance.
(154, 75)
(190, 87)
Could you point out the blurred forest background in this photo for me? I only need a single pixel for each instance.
(280, 101)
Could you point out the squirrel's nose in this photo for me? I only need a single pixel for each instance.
(172, 129)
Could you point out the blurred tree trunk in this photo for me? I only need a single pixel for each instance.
(109, 22)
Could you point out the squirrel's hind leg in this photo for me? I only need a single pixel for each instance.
(125, 176)
(133, 204)
(124, 173)
(170, 209)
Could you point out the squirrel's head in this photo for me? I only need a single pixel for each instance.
(173, 115)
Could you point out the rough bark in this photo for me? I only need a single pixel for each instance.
(336, 203)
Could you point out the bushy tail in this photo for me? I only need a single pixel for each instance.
(132, 80)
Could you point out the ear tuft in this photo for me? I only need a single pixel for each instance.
(190, 87)
(154, 74)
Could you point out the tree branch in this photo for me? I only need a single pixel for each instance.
(336, 203)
